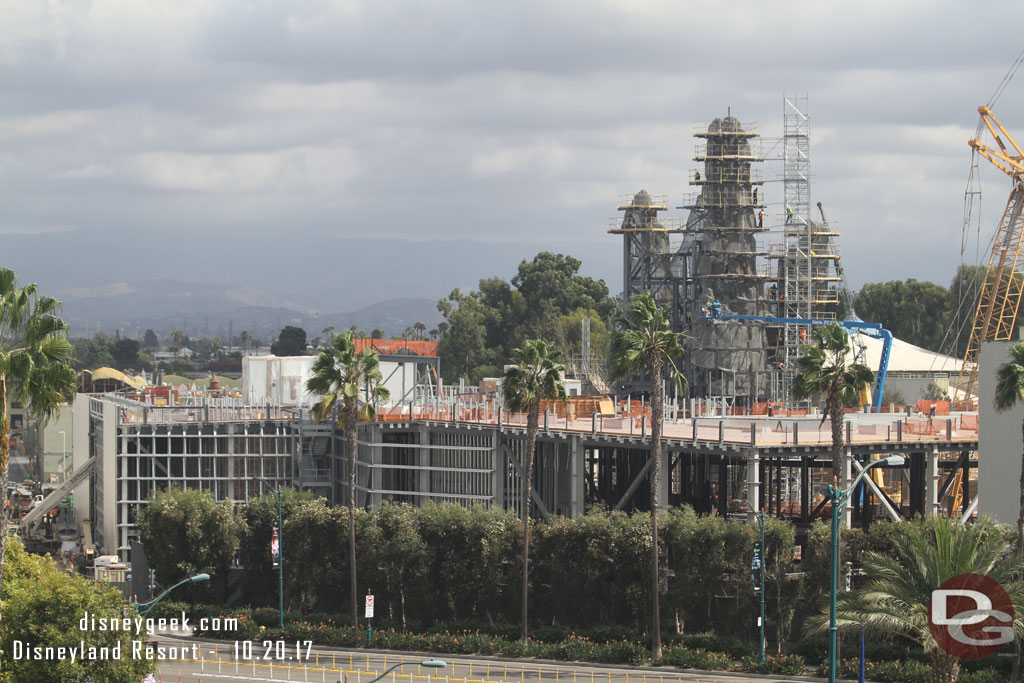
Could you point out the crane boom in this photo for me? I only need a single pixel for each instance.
(885, 335)
(1000, 295)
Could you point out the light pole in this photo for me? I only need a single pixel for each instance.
(428, 663)
(280, 552)
(760, 521)
(839, 498)
(64, 459)
(142, 609)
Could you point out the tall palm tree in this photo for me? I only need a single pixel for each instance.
(823, 369)
(896, 601)
(645, 343)
(536, 375)
(1009, 390)
(339, 375)
(36, 365)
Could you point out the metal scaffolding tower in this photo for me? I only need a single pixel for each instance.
(808, 275)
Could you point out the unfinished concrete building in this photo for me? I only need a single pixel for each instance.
(726, 358)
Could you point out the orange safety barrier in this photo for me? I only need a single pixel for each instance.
(398, 347)
(969, 422)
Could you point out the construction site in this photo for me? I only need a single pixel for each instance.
(747, 272)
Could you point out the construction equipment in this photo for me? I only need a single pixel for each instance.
(873, 329)
(1000, 295)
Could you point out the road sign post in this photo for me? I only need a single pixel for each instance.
(369, 616)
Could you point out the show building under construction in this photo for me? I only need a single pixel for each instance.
(731, 254)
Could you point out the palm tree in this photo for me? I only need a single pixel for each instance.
(36, 365)
(177, 338)
(339, 375)
(536, 375)
(1009, 390)
(823, 370)
(645, 343)
(896, 601)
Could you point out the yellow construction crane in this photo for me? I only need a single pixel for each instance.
(1000, 295)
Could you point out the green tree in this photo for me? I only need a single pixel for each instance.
(291, 341)
(339, 374)
(188, 532)
(536, 375)
(897, 597)
(401, 556)
(646, 343)
(150, 341)
(822, 369)
(912, 310)
(178, 339)
(44, 606)
(555, 278)
(36, 366)
(481, 328)
(1010, 390)
(126, 353)
(94, 353)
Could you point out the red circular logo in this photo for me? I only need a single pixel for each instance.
(971, 616)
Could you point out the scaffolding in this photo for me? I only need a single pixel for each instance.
(808, 273)
(726, 359)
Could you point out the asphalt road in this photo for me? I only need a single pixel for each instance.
(197, 660)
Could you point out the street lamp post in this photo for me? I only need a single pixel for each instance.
(64, 458)
(280, 552)
(839, 498)
(142, 609)
(760, 521)
(428, 663)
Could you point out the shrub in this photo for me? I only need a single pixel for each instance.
(983, 676)
(686, 658)
(885, 672)
(775, 664)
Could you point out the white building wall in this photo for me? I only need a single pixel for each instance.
(278, 380)
(53, 446)
(999, 441)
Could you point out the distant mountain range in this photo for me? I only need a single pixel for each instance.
(201, 309)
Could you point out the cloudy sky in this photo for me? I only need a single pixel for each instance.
(290, 130)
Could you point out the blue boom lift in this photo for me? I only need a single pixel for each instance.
(873, 329)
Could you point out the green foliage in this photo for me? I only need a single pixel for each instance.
(186, 533)
(546, 295)
(895, 601)
(126, 353)
(695, 659)
(913, 311)
(644, 336)
(536, 375)
(94, 353)
(789, 665)
(885, 672)
(260, 518)
(43, 607)
(150, 342)
(1010, 380)
(291, 341)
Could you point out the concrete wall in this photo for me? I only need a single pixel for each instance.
(999, 441)
(54, 446)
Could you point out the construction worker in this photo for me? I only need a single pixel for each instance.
(696, 176)
(789, 213)
(760, 218)
(755, 195)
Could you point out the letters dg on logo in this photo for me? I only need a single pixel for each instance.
(971, 616)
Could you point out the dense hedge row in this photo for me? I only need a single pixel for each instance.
(447, 564)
